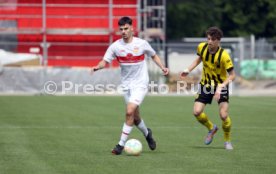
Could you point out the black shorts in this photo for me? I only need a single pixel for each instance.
(205, 95)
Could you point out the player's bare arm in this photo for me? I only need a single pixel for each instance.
(157, 60)
(100, 65)
(231, 77)
(195, 63)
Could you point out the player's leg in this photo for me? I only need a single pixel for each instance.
(143, 128)
(204, 120)
(117, 150)
(140, 122)
(127, 128)
(204, 97)
(226, 124)
(128, 125)
(133, 98)
(201, 116)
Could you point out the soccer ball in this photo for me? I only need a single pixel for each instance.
(133, 147)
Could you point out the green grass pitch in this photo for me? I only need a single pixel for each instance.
(63, 135)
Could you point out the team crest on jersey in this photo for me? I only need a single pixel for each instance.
(135, 49)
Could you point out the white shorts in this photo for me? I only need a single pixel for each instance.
(135, 95)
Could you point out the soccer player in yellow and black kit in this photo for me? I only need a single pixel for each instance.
(218, 72)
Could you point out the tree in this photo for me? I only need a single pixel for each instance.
(189, 19)
(235, 17)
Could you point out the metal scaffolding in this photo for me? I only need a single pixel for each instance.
(150, 24)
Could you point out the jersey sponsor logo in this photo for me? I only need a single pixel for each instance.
(129, 58)
(209, 67)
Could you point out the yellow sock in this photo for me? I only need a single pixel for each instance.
(226, 126)
(203, 119)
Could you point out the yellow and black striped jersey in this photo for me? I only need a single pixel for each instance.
(215, 66)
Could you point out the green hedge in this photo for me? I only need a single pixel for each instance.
(263, 69)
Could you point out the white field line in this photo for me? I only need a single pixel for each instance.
(118, 127)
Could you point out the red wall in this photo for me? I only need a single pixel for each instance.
(77, 18)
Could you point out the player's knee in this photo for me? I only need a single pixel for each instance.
(223, 115)
(130, 112)
(197, 112)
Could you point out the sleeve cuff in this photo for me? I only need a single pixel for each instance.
(230, 69)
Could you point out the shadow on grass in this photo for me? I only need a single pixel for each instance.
(207, 147)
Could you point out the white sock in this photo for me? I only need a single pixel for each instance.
(143, 128)
(125, 132)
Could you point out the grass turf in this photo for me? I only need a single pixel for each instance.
(53, 135)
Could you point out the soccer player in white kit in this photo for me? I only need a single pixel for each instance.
(130, 53)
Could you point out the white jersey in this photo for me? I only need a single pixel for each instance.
(131, 56)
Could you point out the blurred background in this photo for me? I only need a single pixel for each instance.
(57, 40)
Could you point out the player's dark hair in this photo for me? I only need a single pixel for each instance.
(214, 32)
(125, 20)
